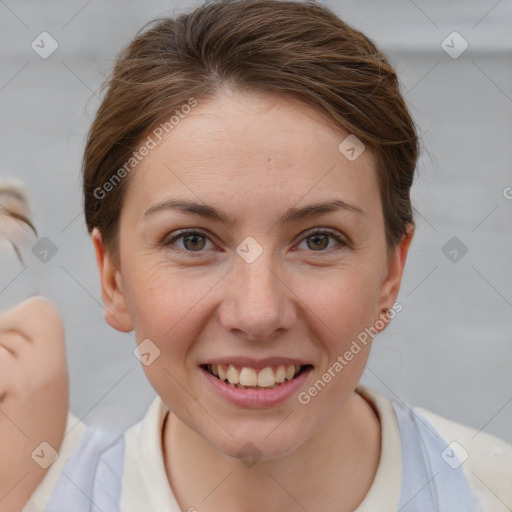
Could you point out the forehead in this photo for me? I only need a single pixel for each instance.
(262, 148)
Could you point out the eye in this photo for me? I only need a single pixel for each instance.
(193, 241)
(318, 240)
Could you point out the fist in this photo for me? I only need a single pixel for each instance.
(34, 392)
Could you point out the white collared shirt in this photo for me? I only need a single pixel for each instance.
(145, 486)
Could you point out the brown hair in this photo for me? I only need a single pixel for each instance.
(300, 49)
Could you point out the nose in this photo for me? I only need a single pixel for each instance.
(258, 303)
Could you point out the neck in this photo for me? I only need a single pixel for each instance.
(332, 470)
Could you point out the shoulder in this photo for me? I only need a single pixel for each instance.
(70, 478)
(95, 463)
(486, 460)
(448, 449)
(74, 432)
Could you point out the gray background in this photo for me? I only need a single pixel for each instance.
(449, 350)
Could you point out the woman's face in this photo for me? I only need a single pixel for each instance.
(274, 283)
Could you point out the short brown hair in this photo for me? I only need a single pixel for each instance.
(299, 49)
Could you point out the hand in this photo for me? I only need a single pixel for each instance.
(33, 397)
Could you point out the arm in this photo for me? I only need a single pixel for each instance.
(33, 397)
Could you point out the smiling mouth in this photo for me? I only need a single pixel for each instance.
(250, 378)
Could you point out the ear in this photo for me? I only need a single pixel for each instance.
(116, 311)
(391, 283)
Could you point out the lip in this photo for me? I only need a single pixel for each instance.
(255, 398)
(258, 364)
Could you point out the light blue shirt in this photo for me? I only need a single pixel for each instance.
(432, 476)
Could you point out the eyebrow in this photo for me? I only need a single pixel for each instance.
(294, 214)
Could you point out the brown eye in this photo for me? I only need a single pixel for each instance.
(318, 241)
(192, 241)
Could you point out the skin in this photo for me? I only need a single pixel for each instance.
(256, 156)
(33, 396)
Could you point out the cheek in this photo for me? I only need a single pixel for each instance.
(343, 300)
(170, 308)
(160, 298)
(341, 307)
(166, 307)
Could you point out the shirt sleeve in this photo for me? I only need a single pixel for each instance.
(487, 461)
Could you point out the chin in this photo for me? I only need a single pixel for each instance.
(256, 444)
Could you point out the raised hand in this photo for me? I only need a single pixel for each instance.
(33, 397)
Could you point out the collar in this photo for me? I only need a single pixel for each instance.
(146, 487)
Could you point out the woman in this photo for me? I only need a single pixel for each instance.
(246, 186)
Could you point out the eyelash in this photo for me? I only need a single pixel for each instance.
(320, 231)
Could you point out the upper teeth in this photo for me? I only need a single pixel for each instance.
(264, 378)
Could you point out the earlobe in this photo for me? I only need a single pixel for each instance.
(112, 292)
(395, 268)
